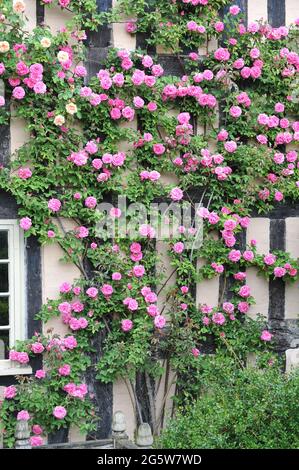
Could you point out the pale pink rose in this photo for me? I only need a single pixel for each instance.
(159, 321)
(138, 270)
(147, 231)
(243, 307)
(115, 213)
(151, 106)
(18, 93)
(37, 429)
(37, 348)
(228, 307)
(36, 441)
(70, 342)
(230, 146)
(116, 276)
(24, 173)
(218, 318)
(9, 392)
(81, 232)
(279, 272)
(278, 196)
(152, 310)
(64, 370)
(126, 325)
(234, 10)
(59, 412)
(40, 88)
(219, 26)
(25, 223)
(158, 149)
(234, 256)
(244, 291)
(222, 54)
(92, 292)
(40, 374)
(178, 247)
(54, 205)
(235, 111)
(23, 415)
(269, 259)
(195, 352)
(266, 335)
(176, 194)
(279, 108)
(248, 255)
(107, 290)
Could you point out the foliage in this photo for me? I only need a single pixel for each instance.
(250, 409)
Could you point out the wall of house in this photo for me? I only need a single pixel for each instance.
(54, 272)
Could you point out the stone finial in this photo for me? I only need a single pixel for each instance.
(22, 435)
(292, 359)
(119, 426)
(144, 436)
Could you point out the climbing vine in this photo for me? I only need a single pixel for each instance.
(74, 160)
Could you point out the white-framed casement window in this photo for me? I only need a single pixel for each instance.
(12, 294)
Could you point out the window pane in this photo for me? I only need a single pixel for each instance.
(4, 344)
(3, 244)
(4, 316)
(3, 277)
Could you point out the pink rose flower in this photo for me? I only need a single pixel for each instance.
(126, 325)
(36, 441)
(37, 348)
(54, 205)
(23, 415)
(266, 335)
(178, 247)
(234, 10)
(269, 259)
(10, 392)
(159, 321)
(176, 194)
(59, 412)
(92, 292)
(248, 255)
(107, 290)
(138, 270)
(279, 272)
(40, 374)
(243, 307)
(37, 429)
(158, 149)
(25, 223)
(218, 318)
(222, 54)
(244, 291)
(64, 370)
(234, 256)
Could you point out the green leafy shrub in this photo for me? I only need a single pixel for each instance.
(255, 409)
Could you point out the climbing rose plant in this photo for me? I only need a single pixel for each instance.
(74, 160)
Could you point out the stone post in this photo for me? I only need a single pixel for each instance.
(119, 427)
(144, 438)
(292, 359)
(22, 435)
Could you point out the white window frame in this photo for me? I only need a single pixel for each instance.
(17, 304)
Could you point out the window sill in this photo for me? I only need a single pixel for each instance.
(11, 368)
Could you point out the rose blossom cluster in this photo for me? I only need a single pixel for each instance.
(76, 391)
(184, 88)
